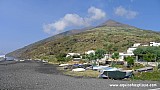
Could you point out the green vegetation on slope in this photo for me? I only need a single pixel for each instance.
(96, 38)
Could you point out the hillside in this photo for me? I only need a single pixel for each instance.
(121, 36)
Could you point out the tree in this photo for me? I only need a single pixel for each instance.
(61, 57)
(139, 51)
(148, 57)
(90, 56)
(130, 60)
(158, 55)
(115, 56)
(150, 52)
(100, 53)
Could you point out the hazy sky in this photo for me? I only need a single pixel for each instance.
(23, 22)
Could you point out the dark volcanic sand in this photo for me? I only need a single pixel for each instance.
(34, 75)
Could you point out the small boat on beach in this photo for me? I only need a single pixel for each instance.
(62, 65)
(145, 69)
(2, 57)
(78, 69)
(99, 67)
(115, 73)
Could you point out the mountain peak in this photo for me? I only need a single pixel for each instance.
(113, 23)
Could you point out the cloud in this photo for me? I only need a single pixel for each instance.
(96, 13)
(123, 12)
(70, 20)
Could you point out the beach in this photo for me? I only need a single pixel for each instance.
(35, 75)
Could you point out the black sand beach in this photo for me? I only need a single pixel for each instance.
(34, 75)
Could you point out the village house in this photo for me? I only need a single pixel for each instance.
(136, 44)
(75, 59)
(134, 47)
(154, 44)
(72, 54)
(145, 45)
(129, 52)
(123, 55)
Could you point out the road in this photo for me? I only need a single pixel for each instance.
(34, 75)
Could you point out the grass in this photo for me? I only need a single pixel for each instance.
(153, 76)
(87, 73)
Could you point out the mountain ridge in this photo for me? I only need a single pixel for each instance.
(113, 23)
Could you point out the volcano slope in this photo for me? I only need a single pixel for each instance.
(120, 36)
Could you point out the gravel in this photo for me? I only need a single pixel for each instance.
(35, 75)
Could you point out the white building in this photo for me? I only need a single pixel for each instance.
(145, 45)
(129, 53)
(136, 44)
(154, 44)
(72, 54)
(122, 55)
(90, 51)
(130, 50)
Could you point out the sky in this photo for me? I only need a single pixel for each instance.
(23, 22)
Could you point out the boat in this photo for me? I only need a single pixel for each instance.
(129, 73)
(145, 69)
(78, 69)
(104, 70)
(99, 67)
(115, 73)
(2, 57)
(44, 61)
(21, 60)
(62, 65)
